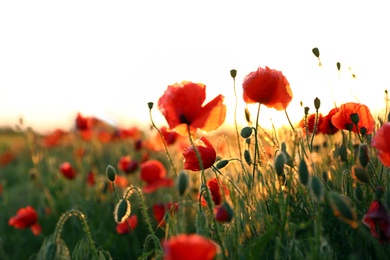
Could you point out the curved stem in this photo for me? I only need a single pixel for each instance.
(256, 143)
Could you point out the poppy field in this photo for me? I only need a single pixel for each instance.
(194, 189)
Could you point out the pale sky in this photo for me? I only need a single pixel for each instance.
(110, 58)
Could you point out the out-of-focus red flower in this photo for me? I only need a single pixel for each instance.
(84, 123)
(123, 228)
(191, 246)
(207, 154)
(104, 136)
(130, 133)
(215, 191)
(326, 127)
(381, 141)
(341, 119)
(310, 124)
(127, 165)
(138, 144)
(6, 157)
(91, 179)
(182, 106)
(223, 213)
(154, 174)
(170, 137)
(378, 220)
(268, 87)
(160, 209)
(53, 139)
(67, 170)
(24, 218)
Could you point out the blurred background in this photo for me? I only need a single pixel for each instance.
(109, 59)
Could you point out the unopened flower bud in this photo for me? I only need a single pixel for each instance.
(303, 172)
(306, 110)
(316, 52)
(363, 155)
(122, 210)
(111, 173)
(246, 132)
(221, 164)
(338, 64)
(360, 174)
(182, 183)
(317, 188)
(247, 157)
(279, 164)
(317, 103)
(363, 131)
(150, 105)
(354, 118)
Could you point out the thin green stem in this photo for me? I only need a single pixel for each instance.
(235, 119)
(257, 152)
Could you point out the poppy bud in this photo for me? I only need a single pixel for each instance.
(246, 132)
(182, 183)
(363, 131)
(354, 118)
(379, 191)
(317, 103)
(363, 155)
(360, 174)
(122, 210)
(289, 161)
(317, 188)
(150, 105)
(221, 164)
(306, 110)
(342, 208)
(247, 157)
(233, 73)
(316, 52)
(110, 172)
(279, 164)
(248, 116)
(224, 213)
(338, 64)
(303, 172)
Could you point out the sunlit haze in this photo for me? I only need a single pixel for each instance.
(110, 58)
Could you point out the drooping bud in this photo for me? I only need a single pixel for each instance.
(317, 103)
(246, 132)
(342, 208)
(111, 173)
(317, 188)
(303, 172)
(279, 164)
(363, 156)
(360, 174)
(182, 183)
(122, 210)
(233, 73)
(247, 157)
(221, 164)
(289, 160)
(316, 52)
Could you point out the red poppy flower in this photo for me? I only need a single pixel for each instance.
(310, 124)
(127, 165)
(182, 106)
(24, 218)
(84, 123)
(91, 179)
(215, 191)
(170, 137)
(123, 228)
(207, 155)
(53, 139)
(192, 246)
(160, 209)
(326, 127)
(268, 87)
(67, 170)
(154, 174)
(6, 158)
(381, 141)
(341, 119)
(378, 220)
(223, 213)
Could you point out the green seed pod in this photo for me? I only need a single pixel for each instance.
(338, 65)
(316, 52)
(354, 118)
(246, 132)
(317, 188)
(363, 155)
(122, 210)
(317, 103)
(306, 110)
(110, 173)
(182, 183)
(150, 105)
(221, 164)
(233, 73)
(247, 157)
(303, 172)
(279, 164)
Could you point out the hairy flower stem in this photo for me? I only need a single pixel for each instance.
(64, 217)
(208, 194)
(257, 152)
(147, 220)
(235, 119)
(314, 131)
(163, 141)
